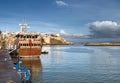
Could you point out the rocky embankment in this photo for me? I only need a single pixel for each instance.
(56, 41)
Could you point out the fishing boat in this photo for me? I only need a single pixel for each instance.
(28, 44)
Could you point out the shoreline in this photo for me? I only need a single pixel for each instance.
(56, 44)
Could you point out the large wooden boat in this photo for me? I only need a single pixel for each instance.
(29, 45)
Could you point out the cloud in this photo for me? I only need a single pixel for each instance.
(104, 29)
(72, 35)
(61, 3)
(62, 32)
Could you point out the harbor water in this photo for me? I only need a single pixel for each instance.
(76, 64)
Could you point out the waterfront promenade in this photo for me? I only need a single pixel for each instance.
(8, 74)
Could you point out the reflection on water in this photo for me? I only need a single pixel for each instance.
(35, 66)
(76, 64)
(81, 64)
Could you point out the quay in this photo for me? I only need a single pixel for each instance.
(8, 73)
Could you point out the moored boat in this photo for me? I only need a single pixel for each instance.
(28, 44)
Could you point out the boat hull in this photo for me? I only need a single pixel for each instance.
(29, 52)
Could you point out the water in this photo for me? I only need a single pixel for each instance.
(77, 64)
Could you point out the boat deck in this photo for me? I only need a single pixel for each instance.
(8, 73)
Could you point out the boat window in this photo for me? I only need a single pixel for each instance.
(30, 45)
(27, 36)
(21, 36)
(24, 36)
(17, 36)
(35, 36)
(20, 44)
(32, 36)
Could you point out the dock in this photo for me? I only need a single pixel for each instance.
(8, 73)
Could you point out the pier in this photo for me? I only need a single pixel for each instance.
(8, 73)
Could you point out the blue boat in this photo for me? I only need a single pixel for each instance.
(22, 71)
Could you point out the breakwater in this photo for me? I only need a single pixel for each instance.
(103, 44)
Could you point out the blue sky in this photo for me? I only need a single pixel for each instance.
(77, 17)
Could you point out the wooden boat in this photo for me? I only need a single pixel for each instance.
(29, 44)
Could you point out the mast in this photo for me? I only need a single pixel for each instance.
(23, 26)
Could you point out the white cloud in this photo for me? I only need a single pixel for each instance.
(61, 3)
(104, 29)
(105, 25)
(62, 32)
(80, 35)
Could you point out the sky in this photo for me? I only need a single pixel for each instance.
(93, 18)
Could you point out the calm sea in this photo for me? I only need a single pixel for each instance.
(76, 64)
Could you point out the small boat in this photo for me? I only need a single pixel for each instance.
(23, 72)
(44, 52)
